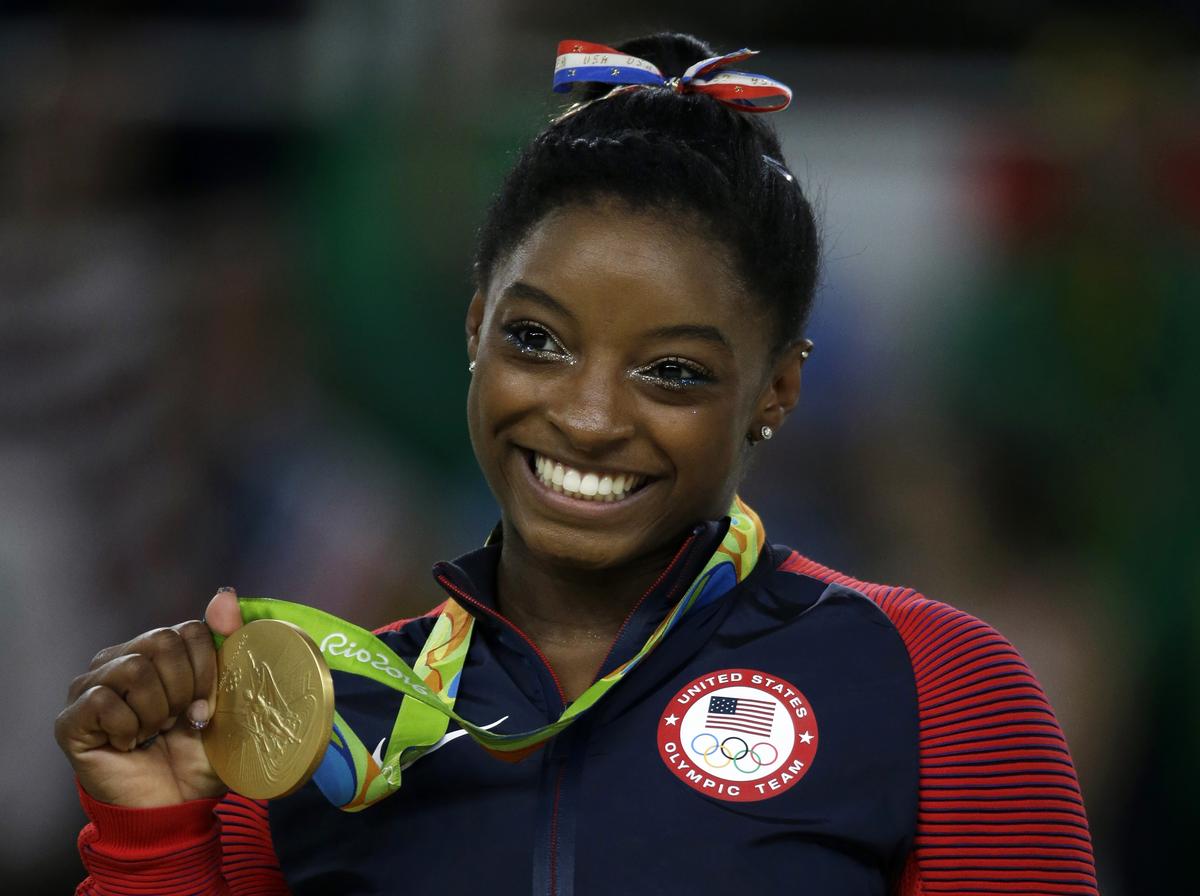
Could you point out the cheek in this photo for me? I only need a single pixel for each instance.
(498, 397)
(702, 442)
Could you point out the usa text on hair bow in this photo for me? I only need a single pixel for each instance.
(580, 61)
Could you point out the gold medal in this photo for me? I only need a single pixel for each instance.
(274, 710)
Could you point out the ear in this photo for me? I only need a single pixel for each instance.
(474, 324)
(782, 391)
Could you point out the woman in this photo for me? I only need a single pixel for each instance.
(643, 281)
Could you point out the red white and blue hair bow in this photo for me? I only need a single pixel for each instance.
(580, 61)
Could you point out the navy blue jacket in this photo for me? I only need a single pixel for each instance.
(598, 811)
(925, 760)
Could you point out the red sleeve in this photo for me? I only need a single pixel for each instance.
(999, 808)
(199, 848)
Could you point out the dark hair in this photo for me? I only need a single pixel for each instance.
(683, 153)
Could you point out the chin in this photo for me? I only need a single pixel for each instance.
(585, 551)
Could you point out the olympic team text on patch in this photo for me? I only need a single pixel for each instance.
(738, 734)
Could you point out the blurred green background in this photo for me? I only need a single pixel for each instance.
(235, 242)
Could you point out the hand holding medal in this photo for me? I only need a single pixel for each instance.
(167, 717)
(132, 725)
(273, 720)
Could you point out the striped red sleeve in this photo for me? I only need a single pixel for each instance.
(999, 808)
(248, 861)
(199, 848)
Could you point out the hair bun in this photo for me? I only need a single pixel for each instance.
(696, 163)
(671, 51)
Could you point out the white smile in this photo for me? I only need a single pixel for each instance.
(585, 485)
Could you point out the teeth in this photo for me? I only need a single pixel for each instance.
(582, 484)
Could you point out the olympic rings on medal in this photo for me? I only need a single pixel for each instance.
(733, 755)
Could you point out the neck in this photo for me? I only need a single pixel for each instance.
(573, 615)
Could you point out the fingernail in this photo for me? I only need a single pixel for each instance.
(198, 714)
(226, 588)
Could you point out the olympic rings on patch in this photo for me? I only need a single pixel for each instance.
(774, 753)
(705, 752)
(757, 764)
(708, 760)
(745, 749)
(714, 749)
(734, 756)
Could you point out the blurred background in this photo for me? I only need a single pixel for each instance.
(235, 241)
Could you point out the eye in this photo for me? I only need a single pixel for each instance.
(675, 373)
(532, 338)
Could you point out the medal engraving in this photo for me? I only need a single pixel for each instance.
(274, 710)
(272, 725)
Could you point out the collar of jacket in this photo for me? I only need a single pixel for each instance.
(471, 581)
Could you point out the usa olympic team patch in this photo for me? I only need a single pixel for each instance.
(738, 735)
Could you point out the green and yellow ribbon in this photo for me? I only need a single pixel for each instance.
(353, 777)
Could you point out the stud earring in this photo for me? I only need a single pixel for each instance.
(471, 367)
(766, 432)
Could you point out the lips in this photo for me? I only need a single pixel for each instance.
(583, 484)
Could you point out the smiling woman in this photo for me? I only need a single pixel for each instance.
(642, 656)
(615, 350)
(614, 343)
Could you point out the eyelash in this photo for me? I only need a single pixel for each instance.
(697, 374)
(512, 337)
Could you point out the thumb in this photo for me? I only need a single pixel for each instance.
(223, 615)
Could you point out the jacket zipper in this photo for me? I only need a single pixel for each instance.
(450, 586)
(553, 858)
(682, 550)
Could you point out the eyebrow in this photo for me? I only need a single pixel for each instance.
(692, 331)
(522, 290)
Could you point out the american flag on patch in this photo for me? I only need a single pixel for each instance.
(741, 714)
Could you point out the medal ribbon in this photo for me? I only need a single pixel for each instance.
(353, 777)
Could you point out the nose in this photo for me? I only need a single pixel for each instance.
(591, 408)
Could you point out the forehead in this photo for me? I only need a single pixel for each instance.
(648, 266)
